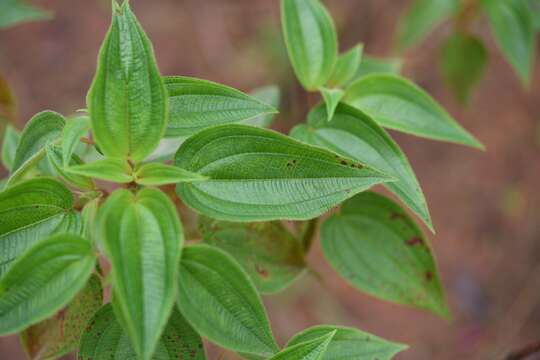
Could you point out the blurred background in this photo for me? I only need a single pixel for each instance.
(485, 205)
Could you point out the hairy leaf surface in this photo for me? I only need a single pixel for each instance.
(309, 350)
(55, 157)
(161, 174)
(110, 169)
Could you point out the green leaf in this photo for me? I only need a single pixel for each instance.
(377, 248)
(356, 136)
(197, 104)
(142, 237)
(311, 40)
(30, 211)
(9, 146)
(55, 157)
(270, 95)
(464, 60)
(74, 130)
(219, 300)
(331, 98)
(127, 101)
(104, 339)
(161, 174)
(44, 280)
(371, 65)
(349, 343)
(109, 169)
(258, 175)
(13, 12)
(43, 128)
(346, 66)
(310, 350)
(61, 333)
(398, 104)
(422, 17)
(89, 216)
(535, 12)
(269, 253)
(512, 24)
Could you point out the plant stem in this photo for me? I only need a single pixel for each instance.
(309, 233)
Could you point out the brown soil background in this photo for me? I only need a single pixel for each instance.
(485, 205)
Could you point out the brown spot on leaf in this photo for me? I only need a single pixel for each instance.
(397, 216)
(429, 275)
(261, 271)
(416, 240)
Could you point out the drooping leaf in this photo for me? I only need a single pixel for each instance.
(311, 40)
(422, 17)
(104, 339)
(349, 343)
(270, 95)
(269, 253)
(74, 130)
(61, 333)
(55, 157)
(142, 237)
(258, 175)
(43, 281)
(9, 146)
(464, 59)
(43, 128)
(110, 169)
(375, 65)
(331, 97)
(346, 66)
(398, 104)
(512, 24)
(377, 248)
(161, 174)
(29, 212)
(355, 135)
(13, 12)
(309, 350)
(219, 300)
(127, 102)
(196, 104)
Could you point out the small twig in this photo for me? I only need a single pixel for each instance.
(521, 354)
(88, 141)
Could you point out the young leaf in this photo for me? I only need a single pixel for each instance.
(127, 101)
(197, 104)
(89, 216)
(464, 59)
(13, 12)
(346, 66)
(104, 339)
(349, 343)
(269, 253)
(513, 27)
(9, 146)
(115, 170)
(258, 175)
(61, 333)
(270, 95)
(374, 65)
(217, 297)
(30, 211)
(55, 157)
(309, 350)
(356, 136)
(311, 40)
(377, 248)
(398, 104)
(161, 174)
(331, 98)
(43, 128)
(43, 281)
(74, 130)
(422, 17)
(142, 237)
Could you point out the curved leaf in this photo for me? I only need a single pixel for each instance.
(161, 174)
(376, 65)
(269, 253)
(349, 343)
(258, 174)
(270, 95)
(311, 40)
(217, 297)
(9, 146)
(346, 66)
(398, 104)
(13, 12)
(355, 135)
(197, 104)
(104, 339)
(375, 246)
(331, 98)
(310, 350)
(110, 169)
(43, 281)
(142, 238)
(71, 136)
(127, 100)
(55, 157)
